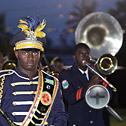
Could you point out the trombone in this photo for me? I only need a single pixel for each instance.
(106, 64)
(103, 34)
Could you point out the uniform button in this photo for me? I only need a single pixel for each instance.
(12, 84)
(89, 110)
(48, 86)
(91, 122)
(31, 82)
(43, 109)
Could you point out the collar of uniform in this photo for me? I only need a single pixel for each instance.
(23, 75)
(86, 72)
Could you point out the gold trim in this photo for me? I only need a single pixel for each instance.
(53, 98)
(46, 98)
(24, 92)
(19, 113)
(38, 118)
(22, 103)
(26, 122)
(24, 83)
(40, 112)
(18, 123)
(1, 88)
(29, 44)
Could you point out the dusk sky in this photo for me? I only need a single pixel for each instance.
(56, 13)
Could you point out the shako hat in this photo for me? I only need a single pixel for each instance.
(31, 34)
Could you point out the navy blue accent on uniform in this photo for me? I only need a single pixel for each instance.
(80, 114)
(57, 116)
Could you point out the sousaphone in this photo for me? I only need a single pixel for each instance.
(101, 32)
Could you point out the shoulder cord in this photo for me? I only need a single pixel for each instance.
(1, 87)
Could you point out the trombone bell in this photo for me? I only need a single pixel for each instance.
(107, 64)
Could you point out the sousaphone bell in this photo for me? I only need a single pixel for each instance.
(101, 32)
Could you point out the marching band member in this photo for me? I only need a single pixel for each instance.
(75, 82)
(30, 97)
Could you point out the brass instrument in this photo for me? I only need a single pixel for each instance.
(114, 89)
(106, 64)
(9, 64)
(55, 74)
(103, 34)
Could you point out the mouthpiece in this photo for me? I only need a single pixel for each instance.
(84, 62)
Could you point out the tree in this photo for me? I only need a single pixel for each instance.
(82, 9)
(5, 38)
(118, 78)
(120, 14)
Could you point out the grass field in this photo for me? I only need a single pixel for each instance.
(122, 113)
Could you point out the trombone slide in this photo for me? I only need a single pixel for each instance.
(114, 89)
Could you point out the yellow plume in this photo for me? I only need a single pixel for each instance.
(24, 28)
(26, 32)
(40, 34)
(41, 26)
(22, 21)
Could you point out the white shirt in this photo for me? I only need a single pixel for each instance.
(86, 72)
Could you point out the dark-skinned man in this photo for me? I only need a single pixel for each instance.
(30, 97)
(75, 82)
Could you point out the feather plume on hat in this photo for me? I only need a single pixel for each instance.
(30, 25)
(31, 35)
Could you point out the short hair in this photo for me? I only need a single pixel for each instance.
(78, 46)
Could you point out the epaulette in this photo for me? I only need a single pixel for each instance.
(6, 72)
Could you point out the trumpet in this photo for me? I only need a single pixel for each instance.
(106, 64)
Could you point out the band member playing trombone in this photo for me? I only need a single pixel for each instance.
(75, 82)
